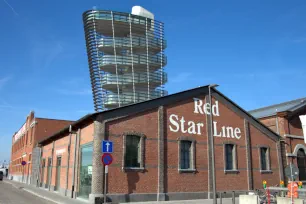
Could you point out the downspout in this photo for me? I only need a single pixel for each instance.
(38, 183)
(51, 165)
(76, 143)
(67, 168)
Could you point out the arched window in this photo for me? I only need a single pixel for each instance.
(301, 164)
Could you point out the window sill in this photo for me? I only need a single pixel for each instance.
(266, 171)
(231, 171)
(187, 170)
(133, 169)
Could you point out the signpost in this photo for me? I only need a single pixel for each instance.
(107, 159)
(23, 163)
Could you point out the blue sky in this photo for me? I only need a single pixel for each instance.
(255, 50)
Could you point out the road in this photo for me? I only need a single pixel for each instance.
(13, 195)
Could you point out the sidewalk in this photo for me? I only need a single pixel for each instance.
(45, 194)
(202, 201)
(59, 199)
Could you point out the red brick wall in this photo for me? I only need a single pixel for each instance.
(47, 127)
(134, 182)
(147, 182)
(233, 181)
(295, 125)
(60, 145)
(258, 139)
(87, 133)
(270, 122)
(185, 182)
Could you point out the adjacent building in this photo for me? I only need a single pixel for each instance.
(25, 139)
(284, 119)
(180, 146)
(126, 56)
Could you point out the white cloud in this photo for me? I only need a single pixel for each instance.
(181, 77)
(74, 92)
(12, 8)
(300, 40)
(3, 81)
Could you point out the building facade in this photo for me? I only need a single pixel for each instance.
(180, 146)
(126, 56)
(23, 142)
(284, 119)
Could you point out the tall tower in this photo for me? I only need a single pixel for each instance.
(126, 57)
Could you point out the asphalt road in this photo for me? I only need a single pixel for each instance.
(10, 194)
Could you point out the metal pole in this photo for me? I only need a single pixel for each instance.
(233, 197)
(220, 197)
(268, 192)
(22, 173)
(291, 183)
(212, 146)
(105, 182)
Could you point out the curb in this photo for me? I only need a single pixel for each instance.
(11, 184)
(40, 196)
(33, 193)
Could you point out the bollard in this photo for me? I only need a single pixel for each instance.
(220, 197)
(233, 197)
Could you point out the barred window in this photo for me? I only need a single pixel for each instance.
(230, 157)
(133, 151)
(185, 154)
(264, 159)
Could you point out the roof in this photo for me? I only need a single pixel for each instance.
(289, 106)
(157, 102)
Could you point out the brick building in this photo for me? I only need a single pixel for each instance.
(25, 139)
(284, 120)
(179, 146)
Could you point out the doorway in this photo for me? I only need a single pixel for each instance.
(58, 173)
(85, 171)
(301, 164)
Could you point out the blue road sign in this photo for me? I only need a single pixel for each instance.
(107, 146)
(107, 159)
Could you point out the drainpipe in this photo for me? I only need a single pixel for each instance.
(38, 183)
(76, 144)
(51, 165)
(67, 168)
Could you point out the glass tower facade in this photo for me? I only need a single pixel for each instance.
(126, 58)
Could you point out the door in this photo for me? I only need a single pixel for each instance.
(48, 172)
(85, 171)
(42, 172)
(58, 173)
(301, 165)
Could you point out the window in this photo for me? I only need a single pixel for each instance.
(185, 154)
(133, 151)
(264, 159)
(31, 136)
(230, 157)
(186, 162)
(132, 156)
